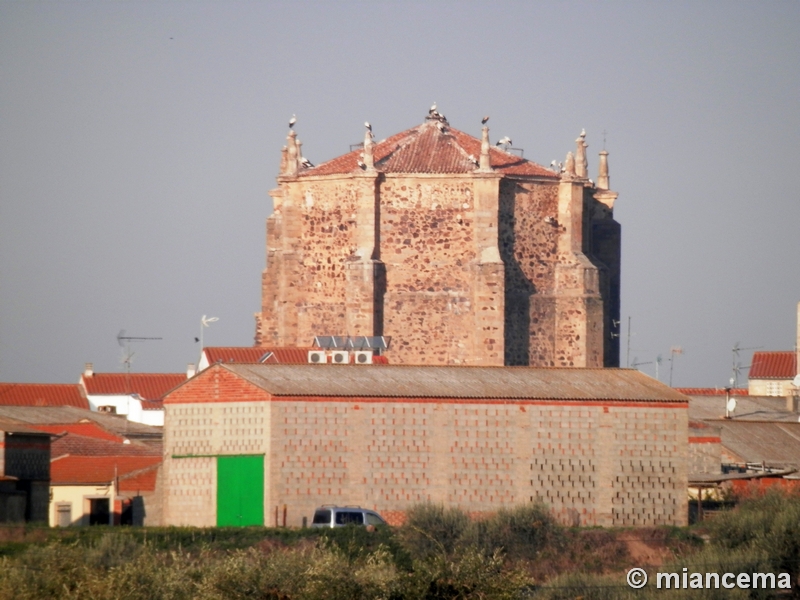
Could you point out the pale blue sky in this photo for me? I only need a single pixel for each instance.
(140, 139)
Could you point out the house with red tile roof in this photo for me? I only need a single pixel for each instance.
(100, 478)
(772, 373)
(135, 395)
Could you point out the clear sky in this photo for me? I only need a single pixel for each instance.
(138, 141)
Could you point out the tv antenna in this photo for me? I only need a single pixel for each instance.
(674, 352)
(205, 322)
(737, 366)
(125, 342)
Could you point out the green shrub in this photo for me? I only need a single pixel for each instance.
(521, 532)
(433, 530)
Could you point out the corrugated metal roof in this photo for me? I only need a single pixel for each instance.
(773, 365)
(759, 441)
(79, 445)
(42, 394)
(117, 424)
(82, 429)
(149, 386)
(399, 381)
(426, 149)
(752, 408)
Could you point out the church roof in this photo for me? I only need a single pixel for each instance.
(429, 149)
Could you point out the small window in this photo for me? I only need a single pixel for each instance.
(373, 519)
(64, 514)
(349, 517)
(107, 409)
(322, 517)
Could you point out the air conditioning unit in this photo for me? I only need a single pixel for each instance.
(317, 357)
(340, 357)
(363, 357)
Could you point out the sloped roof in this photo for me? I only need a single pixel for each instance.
(750, 408)
(426, 149)
(80, 445)
(712, 391)
(774, 365)
(480, 383)
(101, 470)
(117, 424)
(278, 355)
(149, 386)
(143, 480)
(255, 355)
(759, 441)
(14, 426)
(91, 430)
(42, 394)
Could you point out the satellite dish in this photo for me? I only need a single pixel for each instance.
(796, 381)
(731, 406)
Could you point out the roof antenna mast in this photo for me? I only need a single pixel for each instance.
(125, 342)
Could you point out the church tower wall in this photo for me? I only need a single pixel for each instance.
(459, 261)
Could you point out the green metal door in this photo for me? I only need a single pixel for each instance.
(240, 491)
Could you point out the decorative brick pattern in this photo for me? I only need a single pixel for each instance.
(615, 464)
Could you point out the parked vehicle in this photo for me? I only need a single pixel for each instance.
(340, 516)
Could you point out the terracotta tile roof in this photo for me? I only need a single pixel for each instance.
(91, 430)
(143, 480)
(42, 394)
(711, 391)
(774, 365)
(86, 470)
(79, 445)
(255, 355)
(426, 149)
(149, 386)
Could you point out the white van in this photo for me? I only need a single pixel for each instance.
(340, 516)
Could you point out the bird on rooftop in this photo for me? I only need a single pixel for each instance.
(361, 164)
(440, 126)
(484, 120)
(433, 108)
(368, 126)
(306, 163)
(553, 165)
(583, 133)
(506, 141)
(292, 121)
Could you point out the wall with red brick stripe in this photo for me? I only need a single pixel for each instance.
(622, 464)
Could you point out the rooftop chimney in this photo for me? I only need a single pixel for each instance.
(191, 370)
(88, 370)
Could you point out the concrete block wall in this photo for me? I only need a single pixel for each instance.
(593, 463)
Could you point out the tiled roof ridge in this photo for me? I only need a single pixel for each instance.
(502, 161)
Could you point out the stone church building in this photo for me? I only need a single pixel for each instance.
(463, 252)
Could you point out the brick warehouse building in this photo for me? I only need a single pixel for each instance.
(462, 252)
(260, 444)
